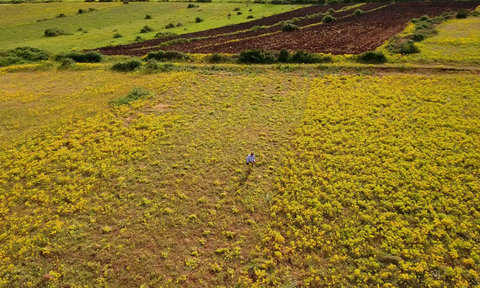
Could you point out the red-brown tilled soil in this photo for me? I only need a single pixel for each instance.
(349, 34)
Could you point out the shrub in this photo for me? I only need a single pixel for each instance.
(328, 19)
(53, 32)
(331, 11)
(148, 16)
(66, 63)
(239, 13)
(138, 39)
(236, 9)
(306, 57)
(358, 12)
(217, 58)
(169, 26)
(167, 55)
(417, 37)
(146, 29)
(287, 27)
(30, 54)
(461, 14)
(22, 55)
(164, 34)
(179, 24)
(89, 0)
(408, 47)
(117, 35)
(151, 65)
(126, 66)
(283, 56)
(256, 56)
(192, 6)
(372, 57)
(198, 20)
(89, 57)
(204, 1)
(61, 15)
(134, 95)
(250, 17)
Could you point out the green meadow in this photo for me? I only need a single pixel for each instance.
(19, 26)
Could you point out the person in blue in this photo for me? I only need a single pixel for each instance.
(251, 158)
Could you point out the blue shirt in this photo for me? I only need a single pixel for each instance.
(250, 158)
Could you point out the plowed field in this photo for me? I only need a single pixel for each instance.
(348, 34)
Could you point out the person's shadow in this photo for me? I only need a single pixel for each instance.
(245, 176)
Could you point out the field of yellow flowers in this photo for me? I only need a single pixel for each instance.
(381, 186)
(151, 193)
(360, 181)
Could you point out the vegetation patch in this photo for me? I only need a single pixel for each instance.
(374, 57)
(257, 57)
(126, 66)
(134, 95)
(167, 55)
(54, 32)
(88, 57)
(22, 55)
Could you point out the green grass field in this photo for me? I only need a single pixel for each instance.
(457, 41)
(18, 26)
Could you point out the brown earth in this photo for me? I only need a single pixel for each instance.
(349, 34)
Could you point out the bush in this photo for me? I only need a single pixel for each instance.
(61, 15)
(179, 24)
(89, 57)
(89, 0)
(66, 63)
(53, 32)
(256, 56)
(126, 66)
(217, 58)
(372, 57)
(287, 27)
(239, 13)
(148, 17)
(134, 95)
(198, 20)
(331, 11)
(358, 12)
(151, 65)
(138, 39)
(169, 26)
(22, 55)
(417, 37)
(192, 6)
(164, 34)
(328, 19)
(236, 9)
(462, 14)
(117, 35)
(146, 29)
(167, 55)
(204, 1)
(250, 17)
(283, 56)
(30, 54)
(408, 47)
(306, 57)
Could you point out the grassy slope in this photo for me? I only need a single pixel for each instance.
(457, 41)
(125, 19)
(19, 14)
